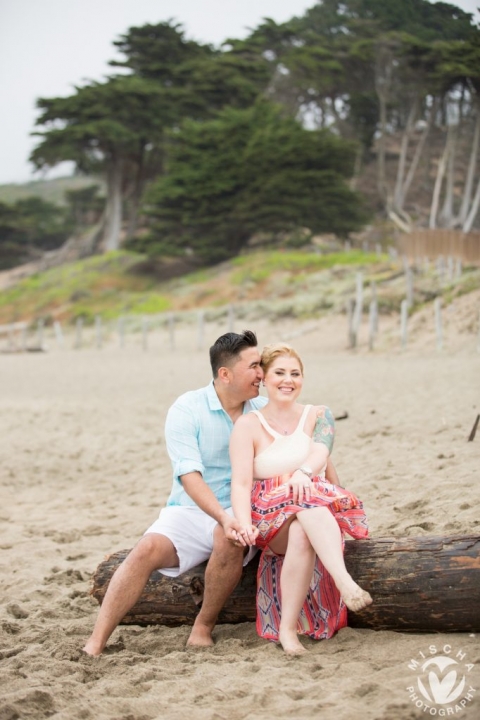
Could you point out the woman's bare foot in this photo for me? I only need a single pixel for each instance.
(290, 643)
(354, 597)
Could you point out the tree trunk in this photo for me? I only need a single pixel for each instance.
(418, 153)
(446, 213)
(113, 210)
(468, 224)
(402, 162)
(133, 218)
(381, 172)
(472, 164)
(423, 584)
(136, 193)
(383, 82)
(403, 224)
(357, 167)
(438, 185)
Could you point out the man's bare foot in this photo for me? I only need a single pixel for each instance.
(290, 643)
(201, 636)
(92, 648)
(354, 597)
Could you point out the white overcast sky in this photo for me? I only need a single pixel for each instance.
(48, 46)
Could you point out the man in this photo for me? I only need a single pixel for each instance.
(197, 522)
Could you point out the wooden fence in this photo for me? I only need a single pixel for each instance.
(432, 244)
(37, 337)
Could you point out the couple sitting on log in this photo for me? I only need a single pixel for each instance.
(250, 472)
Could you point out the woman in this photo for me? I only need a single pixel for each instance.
(286, 497)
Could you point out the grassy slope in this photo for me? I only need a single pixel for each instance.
(273, 284)
(111, 285)
(49, 190)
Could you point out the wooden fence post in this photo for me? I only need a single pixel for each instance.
(78, 333)
(478, 339)
(450, 269)
(441, 269)
(24, 338)
(438, 322)
(357, 313)
(10, 341)
(98, 331)
(372, 323)
(121, 332)
(409, 281)
(373, 316)
(171, 330)
(40, 326)
(145, 328)
(200, 329)
(58, 334)
(373, 287)
(351, 333)
(231, 318)
(404, 322)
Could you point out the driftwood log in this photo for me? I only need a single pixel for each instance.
(426, 584)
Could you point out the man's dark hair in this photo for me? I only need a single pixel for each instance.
(227, 348)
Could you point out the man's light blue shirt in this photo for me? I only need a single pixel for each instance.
(197, 433)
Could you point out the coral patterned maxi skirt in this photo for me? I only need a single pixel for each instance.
(323, 612)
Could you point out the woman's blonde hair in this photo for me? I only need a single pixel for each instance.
(271, 352)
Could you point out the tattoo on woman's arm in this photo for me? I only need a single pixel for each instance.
(324, 430)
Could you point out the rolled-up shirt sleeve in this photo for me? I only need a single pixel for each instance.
(181, 437)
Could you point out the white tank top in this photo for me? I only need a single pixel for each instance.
(286, 453)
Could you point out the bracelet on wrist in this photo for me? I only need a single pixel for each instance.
(306, 470)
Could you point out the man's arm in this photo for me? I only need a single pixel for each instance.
(181, 436)
(203, 496)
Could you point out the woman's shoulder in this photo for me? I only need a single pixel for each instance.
(322, 411)
(248, 420)
(319, 411)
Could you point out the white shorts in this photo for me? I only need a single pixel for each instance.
(191, 532)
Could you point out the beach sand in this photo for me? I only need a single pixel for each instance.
(84, 471)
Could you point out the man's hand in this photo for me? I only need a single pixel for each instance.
(299, 485)
(238, 534)
(231, 528)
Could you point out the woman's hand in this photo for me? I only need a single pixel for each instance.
(247, 535)
(300, 486)
(231, 527)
